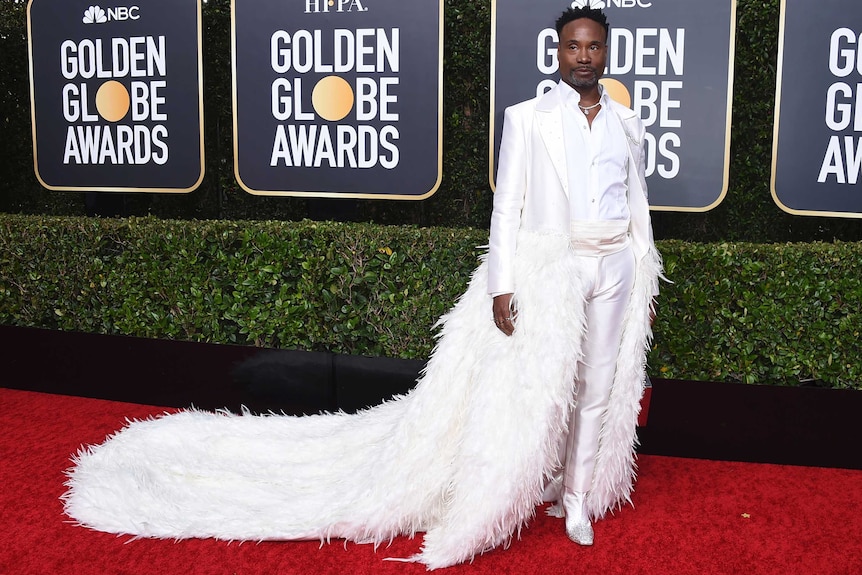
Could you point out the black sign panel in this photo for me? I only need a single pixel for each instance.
(669, 60)
(338, 98)
(116, 95)
(817, 147)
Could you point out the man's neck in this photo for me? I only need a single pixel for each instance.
(589, 96)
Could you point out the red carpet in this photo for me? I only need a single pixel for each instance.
(691, 517)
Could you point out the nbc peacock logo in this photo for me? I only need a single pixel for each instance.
(606, 4)
(95, 15)
(594, 4)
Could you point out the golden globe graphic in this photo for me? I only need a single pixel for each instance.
(374, 57)
(331, 100)
(121, 108)
(112, 101)
(90, 141)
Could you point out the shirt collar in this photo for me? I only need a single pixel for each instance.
(571, 97)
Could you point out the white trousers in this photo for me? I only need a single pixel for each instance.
(610, 280)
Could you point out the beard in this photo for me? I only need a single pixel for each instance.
(581, 82)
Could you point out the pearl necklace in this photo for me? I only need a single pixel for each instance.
(586, 110)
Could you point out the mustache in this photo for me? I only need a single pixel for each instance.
(573, 73)
(575, 79)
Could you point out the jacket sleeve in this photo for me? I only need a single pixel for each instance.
(642, 156)
(641, 174)
(508, 203)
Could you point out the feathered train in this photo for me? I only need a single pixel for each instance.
(463, 457)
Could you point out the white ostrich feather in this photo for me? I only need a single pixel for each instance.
(463, 457)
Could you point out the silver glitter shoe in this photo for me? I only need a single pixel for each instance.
(578, 526)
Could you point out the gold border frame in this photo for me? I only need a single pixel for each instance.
(342, 195)
(192, 188)
(779, 72)
(727, 129)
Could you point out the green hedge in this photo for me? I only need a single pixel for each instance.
(773, 314)
(348, 288)
(761, 313)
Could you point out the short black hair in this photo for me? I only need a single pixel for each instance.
(572, 14)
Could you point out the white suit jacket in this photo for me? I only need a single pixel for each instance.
(532, 182)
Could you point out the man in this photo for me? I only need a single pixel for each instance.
(465, 455)
(571, 161)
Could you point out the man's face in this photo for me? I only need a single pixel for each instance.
(582, 53)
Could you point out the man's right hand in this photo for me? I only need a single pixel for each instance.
(504, 316)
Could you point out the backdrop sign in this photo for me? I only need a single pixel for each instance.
(116, 95)
(817, 145)
(669, 60)
(338, 98)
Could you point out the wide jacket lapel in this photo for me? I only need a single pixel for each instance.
(549, 120)
(637, 194)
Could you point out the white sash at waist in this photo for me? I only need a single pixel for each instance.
(599, 238)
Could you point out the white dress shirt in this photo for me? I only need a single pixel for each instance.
(596, 160)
